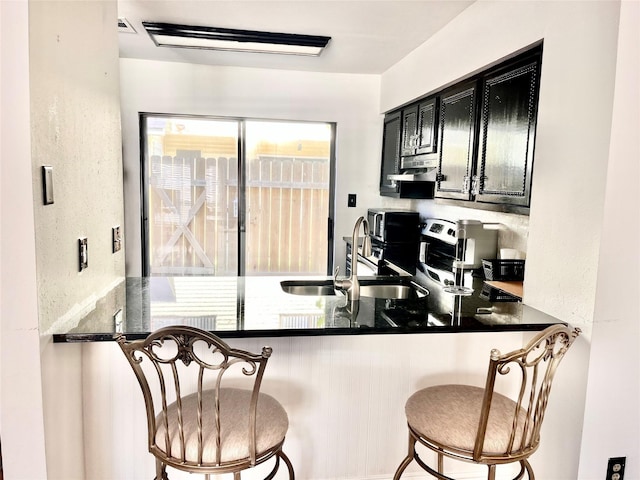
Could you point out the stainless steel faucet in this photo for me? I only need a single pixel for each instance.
(351, 284)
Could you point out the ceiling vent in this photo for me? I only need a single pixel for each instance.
(124, 26)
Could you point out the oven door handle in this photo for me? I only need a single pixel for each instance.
(367, 262)
(377, 225)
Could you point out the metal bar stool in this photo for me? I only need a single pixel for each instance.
(195, 422)
(480, 425)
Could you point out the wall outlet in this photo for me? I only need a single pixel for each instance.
(116, 239)
(83, 253)
(615, 468)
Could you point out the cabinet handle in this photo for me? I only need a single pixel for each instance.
(476, 184)
(465, 184)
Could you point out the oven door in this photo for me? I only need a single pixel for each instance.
(439, 255)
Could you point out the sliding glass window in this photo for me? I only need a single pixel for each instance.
(228, 197)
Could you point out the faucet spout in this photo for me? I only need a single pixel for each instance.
(351, 284)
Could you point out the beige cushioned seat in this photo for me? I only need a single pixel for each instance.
(271, 425)
(449, 415)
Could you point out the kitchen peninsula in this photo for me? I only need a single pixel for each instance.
(237, 307)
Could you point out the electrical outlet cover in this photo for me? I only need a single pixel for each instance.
(615, 468)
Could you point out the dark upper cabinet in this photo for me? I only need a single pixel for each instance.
(480, 133)
(419, 128)
(390, 153)
(508, 124)
(457, 142)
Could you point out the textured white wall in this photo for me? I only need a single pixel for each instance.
(75, 124)
(613, 394)
(349, 100)
(75, 127)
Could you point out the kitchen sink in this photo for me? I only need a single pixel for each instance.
(308, 287)
(368, 288)
(388, 291)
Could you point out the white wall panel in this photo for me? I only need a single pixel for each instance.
(613, 400)
(345, 398)
(75, 128)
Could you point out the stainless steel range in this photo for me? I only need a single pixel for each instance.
(451, 247)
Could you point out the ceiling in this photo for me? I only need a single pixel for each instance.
(367, 36)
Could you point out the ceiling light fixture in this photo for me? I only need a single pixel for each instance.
(212, 38)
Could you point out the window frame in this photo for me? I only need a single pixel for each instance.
(241, 149)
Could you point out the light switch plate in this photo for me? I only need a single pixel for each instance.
(351, 200)
(83, 253)
(47, 184)
(116, 238)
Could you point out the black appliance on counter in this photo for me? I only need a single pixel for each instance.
(395, 238)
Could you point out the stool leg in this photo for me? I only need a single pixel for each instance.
(440, 463)
(492, 472)
(292, 475)
(161, 474)
(410, 455)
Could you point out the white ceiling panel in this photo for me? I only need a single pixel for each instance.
(366, 36)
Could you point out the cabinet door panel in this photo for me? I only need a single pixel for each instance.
(507, 139)
(457, 134)
(390, 154)
(409, 131)
(426, 127)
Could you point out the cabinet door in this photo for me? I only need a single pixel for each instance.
(409, 131)
(457, 138)
(426, 127)
(390, 154)
(508, 124)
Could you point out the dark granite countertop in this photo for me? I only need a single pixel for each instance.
(258, 307)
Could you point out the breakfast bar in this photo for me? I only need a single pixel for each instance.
(269, 306)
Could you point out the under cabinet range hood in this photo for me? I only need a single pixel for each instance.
(416, 169)
(415, 175)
